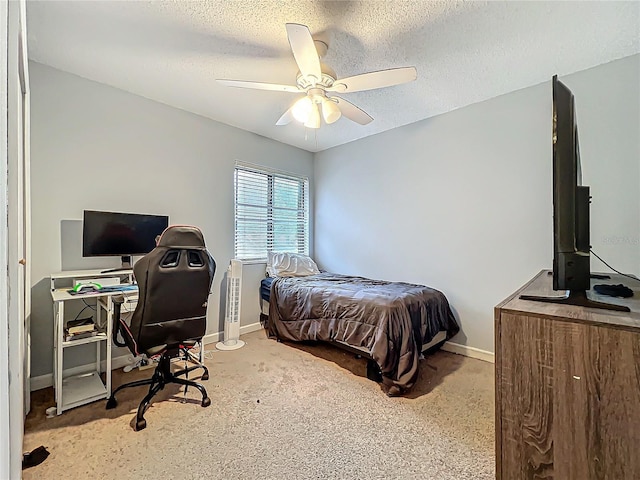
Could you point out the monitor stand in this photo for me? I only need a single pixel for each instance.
(579, 298)
(126, 265)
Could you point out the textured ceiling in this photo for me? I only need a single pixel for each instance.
(464, 52)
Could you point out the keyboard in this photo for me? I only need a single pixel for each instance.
(118, 288)
(107, 289)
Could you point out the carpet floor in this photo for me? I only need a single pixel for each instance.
(280, 411)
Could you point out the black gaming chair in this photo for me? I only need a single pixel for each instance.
(174, 282)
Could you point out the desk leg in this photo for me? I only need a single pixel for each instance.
(58, 352)
(98, 369)
(109, 319)
(55, 351)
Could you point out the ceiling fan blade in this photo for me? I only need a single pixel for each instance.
(371, 80)
(259, 85)
(352, 112)
(304, 50)
(287, 117)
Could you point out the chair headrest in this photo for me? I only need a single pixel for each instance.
(181, 236)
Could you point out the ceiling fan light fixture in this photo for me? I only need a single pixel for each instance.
(330, 111)
(314, 117)
(302, 109)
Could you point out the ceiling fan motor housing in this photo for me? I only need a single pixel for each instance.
(305, 82)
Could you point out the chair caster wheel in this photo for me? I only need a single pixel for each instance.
(206, 401)
(205, 377)
(111, 403)
(141, 424)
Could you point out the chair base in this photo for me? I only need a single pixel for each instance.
(161, 377)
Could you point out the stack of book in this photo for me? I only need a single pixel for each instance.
(80, 328)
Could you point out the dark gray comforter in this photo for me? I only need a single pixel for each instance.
(390, 319)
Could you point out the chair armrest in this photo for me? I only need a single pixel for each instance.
(117, 300)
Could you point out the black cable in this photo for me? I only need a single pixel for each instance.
(88, 305)
(85, 307)
(620, 273)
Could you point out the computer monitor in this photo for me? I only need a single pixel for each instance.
(120, 234)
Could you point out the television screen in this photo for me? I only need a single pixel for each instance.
(571, 270)
(120, 234)
(571, 199)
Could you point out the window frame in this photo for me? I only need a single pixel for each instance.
(303, 220)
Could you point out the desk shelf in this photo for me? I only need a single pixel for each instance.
(74, 390)
(69, 275)
(83, 341)
(81, 389)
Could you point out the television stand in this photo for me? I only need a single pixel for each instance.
(566, 384)
(578, 298)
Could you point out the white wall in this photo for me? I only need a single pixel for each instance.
(97, 147)
(462, 201)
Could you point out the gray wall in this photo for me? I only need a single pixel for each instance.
(97, 147)
(462, 201)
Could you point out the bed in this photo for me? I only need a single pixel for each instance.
(389, 323)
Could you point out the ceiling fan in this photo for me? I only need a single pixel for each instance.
(318, 83)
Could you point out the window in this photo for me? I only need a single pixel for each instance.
(271, 213)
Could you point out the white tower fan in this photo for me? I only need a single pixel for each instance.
(232, 312)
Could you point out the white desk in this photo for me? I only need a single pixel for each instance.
(73, 389)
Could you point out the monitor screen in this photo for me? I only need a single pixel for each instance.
(120, 234)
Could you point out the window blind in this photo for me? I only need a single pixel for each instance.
(271, 213)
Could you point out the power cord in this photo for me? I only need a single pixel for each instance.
(620, 273)
(85, 307)
(208, 353)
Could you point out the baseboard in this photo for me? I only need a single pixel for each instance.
(244, 329)
(467, 351)
(45, 381)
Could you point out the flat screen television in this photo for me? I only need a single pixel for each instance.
(120, 234)
(571, 264)
(571, 199)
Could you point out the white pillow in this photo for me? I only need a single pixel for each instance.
(290, 265)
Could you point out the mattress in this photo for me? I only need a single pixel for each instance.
(392, 321)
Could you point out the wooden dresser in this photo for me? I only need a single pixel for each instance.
(567, 387)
